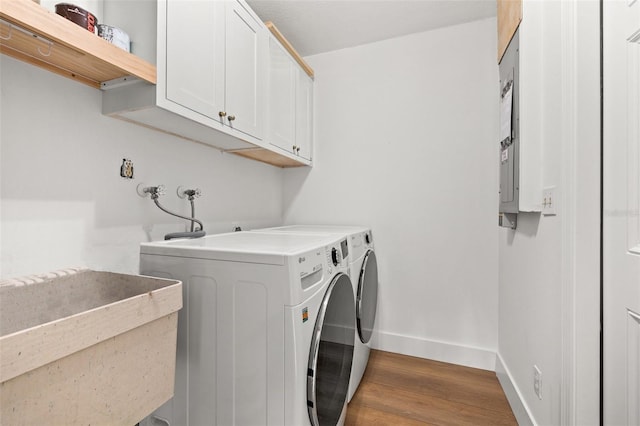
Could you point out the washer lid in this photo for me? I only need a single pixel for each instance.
(367, 299)
(251, 247)
(343, 230)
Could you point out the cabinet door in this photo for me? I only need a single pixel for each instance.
(282, 99)
(195, 55)
(304, 114)
(246, 50)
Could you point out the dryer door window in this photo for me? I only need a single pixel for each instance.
(331, 354)
(367, 300)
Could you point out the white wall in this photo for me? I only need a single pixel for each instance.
(405, 134)
(405, 143)
(63, 202)
(530, 330)
(530, 310)
(549, 266)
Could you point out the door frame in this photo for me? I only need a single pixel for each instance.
(581, 234)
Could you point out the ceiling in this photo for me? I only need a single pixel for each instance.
(317, 26)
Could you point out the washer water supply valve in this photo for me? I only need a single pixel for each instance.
(189, 193)
(154, 191)
(157, 191)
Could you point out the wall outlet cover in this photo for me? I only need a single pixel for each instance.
(126, 169)
(537, 381)
(549, 201)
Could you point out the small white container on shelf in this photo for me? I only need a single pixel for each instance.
(115, 36)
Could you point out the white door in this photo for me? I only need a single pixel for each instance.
(246, 50)
(282, 98)
(195, 56)
(621, 234)
(304, 114)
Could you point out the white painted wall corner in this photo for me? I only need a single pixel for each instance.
(513, 394)
(468, 356)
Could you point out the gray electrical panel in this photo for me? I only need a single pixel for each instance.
(509, 141)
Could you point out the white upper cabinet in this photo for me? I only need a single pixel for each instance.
(282, 97)
(304, 115)
(214, 82)
(195, 56)
(290, 106)
(246, 50)
(215, 62)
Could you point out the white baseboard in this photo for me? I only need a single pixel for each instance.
(518, 406)
(438, 351)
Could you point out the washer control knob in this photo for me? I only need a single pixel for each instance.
(367, 238)
(335, 256)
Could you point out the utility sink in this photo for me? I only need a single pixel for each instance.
(86, 347)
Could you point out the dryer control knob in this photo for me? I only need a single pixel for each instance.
(367, 238)
(335, 256)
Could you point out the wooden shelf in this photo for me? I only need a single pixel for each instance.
(270, 157)
(37, 36)
(509, 17)
(285, 43)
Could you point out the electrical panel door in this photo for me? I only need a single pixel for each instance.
(509, 140)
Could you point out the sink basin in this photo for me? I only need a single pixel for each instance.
(86, 347)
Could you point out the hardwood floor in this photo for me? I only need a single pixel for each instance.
(403, 390)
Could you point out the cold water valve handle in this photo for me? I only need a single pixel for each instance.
(193, 193)
(156, 191)
(189, 193)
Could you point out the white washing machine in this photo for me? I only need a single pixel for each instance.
(363, 270)
(266, 334)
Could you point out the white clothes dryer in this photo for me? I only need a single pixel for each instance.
(266, 333)
(363, 270)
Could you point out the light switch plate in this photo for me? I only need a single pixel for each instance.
(549, 201)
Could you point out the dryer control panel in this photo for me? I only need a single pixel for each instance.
(360, 244)
(337, 254)
(368, 238)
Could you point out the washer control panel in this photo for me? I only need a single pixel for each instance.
(309, 262)
(335, 256)
(310, 266)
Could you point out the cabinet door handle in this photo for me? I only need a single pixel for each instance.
(231, 117)
(222, 114)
